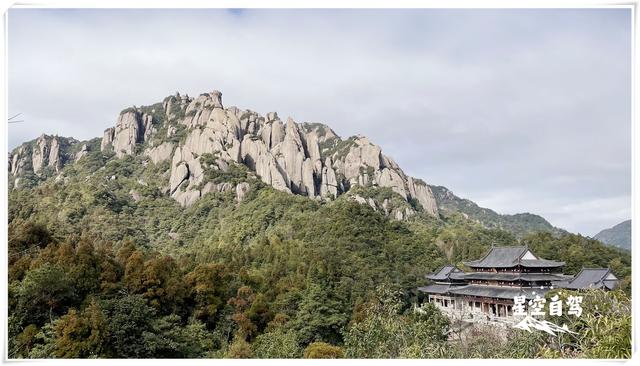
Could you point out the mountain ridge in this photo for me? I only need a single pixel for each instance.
(618, 235)
(190, 137)
(518, 224)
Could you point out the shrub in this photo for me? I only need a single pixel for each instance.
(323, 350)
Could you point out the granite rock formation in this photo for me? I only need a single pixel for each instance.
(307, 159)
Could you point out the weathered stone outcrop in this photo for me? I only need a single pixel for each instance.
(398, 212)
(54, 154)
(129, 131)
(328, 183)
(132, 127)
(107, 139)
(44, 155)
(45, 152)
(39, 154)
(421, 192)
(160, 153)
(241, 191)
(300, 159)
(84, 150)
(17, 161)
(307, 159)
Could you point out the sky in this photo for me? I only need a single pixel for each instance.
(518, 110)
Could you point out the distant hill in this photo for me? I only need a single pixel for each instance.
(519, 224)
(619, 235)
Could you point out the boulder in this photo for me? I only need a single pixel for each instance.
(160, 153)
(178, 175)
(422, 193)
(135, 195)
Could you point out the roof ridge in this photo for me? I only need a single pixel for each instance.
(576, 275)
(524, 251)
(481, 259)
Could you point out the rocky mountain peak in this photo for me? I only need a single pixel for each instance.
(308, 159)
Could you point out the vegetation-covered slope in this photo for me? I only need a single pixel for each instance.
(191, 230)
(619, 235)
(520, 224)
(103, 264)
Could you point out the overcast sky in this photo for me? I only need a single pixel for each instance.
(517, 110)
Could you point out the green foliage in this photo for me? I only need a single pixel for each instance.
(384, 332)
(277, 344)
(83, 335)
(323, 350)
(180, 134)
(320, 317)
(604, 327)
(93, 273)
(207, 286)
(338, 149)
(130, 318)
(239, 349)
(233, 173)
(44, 293)
(579, 252)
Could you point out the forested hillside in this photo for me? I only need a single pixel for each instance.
(520, 225)
(95, 272)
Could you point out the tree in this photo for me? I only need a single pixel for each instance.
(385, 333)
(129, 319)
(604, 327)
(167, 338)
(81, 335)
(278, 343)
(323, 350)
(239, 349)
(44, 294)
(321, 317)
(207, 287)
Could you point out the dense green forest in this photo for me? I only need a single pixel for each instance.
(94, 272)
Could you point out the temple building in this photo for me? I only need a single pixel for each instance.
(591, 278)
(488, 289)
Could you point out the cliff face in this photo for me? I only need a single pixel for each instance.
(304, 159)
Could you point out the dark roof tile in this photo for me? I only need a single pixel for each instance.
(591, 278)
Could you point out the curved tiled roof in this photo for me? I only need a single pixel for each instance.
(435, 289)
(591, 278)
(537, 263)
(447, 272)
